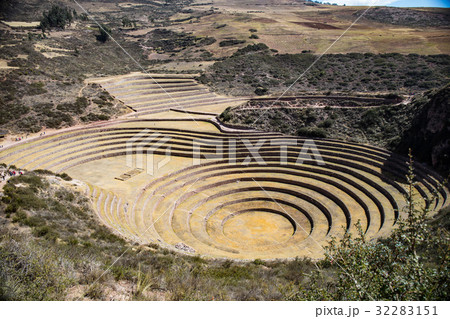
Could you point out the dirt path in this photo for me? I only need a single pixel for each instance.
(80, 93)
(10, 140)
(305, 107)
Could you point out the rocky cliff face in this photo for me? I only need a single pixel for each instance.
(429, 134)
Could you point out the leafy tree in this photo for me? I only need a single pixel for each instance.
(57, 17)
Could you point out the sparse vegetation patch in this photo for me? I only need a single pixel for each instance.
(353, 72)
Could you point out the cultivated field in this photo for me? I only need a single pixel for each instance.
(293, 28)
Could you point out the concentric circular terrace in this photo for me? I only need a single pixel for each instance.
(228, 204)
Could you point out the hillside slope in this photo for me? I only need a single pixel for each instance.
(256, 67)
(52, 247)
(429, 135)
(422, 124)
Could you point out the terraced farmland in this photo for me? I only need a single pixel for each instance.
(149, 94)
(214, 198)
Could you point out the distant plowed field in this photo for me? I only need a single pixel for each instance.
(317, 25)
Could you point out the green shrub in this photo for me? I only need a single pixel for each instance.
(10, 208)
(84, 17)
(36, 88)
(68, 196)
(95, 292)
(370, 118)
(206, 55)
(43, 172)
(126, 22)
(312, 132)
(42, 231)
(207, 41)
(104, 33)
(261, 91)
(93, 117)
(230, 272)
(259, 262)
(251, 48)
(19, 217)
(23, 197)
(231, 42)
(326, 124)
(120, 273)
(103, 233)
(225, 116)
(64, 176)
(34, 221)
(72, 241)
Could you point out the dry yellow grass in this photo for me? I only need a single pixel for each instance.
(21, 24)
(4, 65)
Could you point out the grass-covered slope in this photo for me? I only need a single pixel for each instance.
(248, 70)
